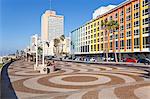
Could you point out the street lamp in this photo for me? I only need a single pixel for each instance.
(47, 43)
(36, 51)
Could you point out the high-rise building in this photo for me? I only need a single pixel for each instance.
(131, 38)
(52, 25)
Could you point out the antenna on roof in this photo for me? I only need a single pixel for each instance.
(50, 5)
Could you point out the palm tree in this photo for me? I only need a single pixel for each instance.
(62, 38)
(104, 25)
(112, 26)
(56, 43)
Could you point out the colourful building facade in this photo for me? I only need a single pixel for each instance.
(132, 36)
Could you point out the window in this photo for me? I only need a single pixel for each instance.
(101, 39)
(110, 45)
(91, 26)
(128, 10)
(101, 33)
(136, 23)
(86, 33)
(110, 17)
(98, 34)
(121, 35)
(116, 15)
(129, 44)
(97, 23)
(116, 36)
(94, 47)
(128, 18)
(94, 24)
(145, 2)
(128, 25)
(91, 41)
(121, 20)
(91, 36)
(128, 33)
(111, 37)
(136, 6)
(98, 40)
(145, 21)
(121, 44)
(116, 44)
(136, 32)
(97, 28)
(91, 47)
(94, 40)
(146, 30)
(121, 14)
(94, 30)
(102, 47)
(94, 35)
(146, 42)
(98, 47)
(136, 15)
(121, 27)
(136, 43)
(91, 31)
(145, 12)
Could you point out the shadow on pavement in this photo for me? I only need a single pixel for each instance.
(7, 91)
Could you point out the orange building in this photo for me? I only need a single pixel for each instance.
(131, 38)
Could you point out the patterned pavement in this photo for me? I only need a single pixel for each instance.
(79, 81)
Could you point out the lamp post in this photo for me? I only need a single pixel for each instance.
(47, 43)
(43, 53)
(36, 48)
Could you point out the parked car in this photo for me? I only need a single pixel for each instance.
(85, 59)
(48, 57)
(92, 59)
(146, 61)
(130, 60)
(77, 59)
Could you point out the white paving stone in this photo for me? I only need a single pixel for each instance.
(100, 80)
(33, 84)
(143, 92)
(107, 93)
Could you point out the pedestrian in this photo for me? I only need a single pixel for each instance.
(53, 64)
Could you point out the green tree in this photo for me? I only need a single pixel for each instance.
(112, 26)
(62, 37)
(104, 25)
(56, 43)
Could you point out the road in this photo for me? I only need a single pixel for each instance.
(74, 81)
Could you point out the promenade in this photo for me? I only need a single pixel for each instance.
(74, 81)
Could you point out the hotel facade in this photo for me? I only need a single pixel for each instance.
(52, 27)
(131, 38)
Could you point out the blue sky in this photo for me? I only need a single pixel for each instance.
(19, 19)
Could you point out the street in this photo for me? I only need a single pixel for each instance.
(75, 81)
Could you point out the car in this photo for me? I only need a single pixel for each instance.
(92, 59)
(131, 60)
(85, 59)
(77, 59)
(49, 57)
(146, 61)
